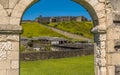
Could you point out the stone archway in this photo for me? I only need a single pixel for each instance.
(105, 14)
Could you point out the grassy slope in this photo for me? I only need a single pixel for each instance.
(81, 28)
(32, 29)
(65, 66)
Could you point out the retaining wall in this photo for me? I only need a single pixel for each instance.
(54, 54)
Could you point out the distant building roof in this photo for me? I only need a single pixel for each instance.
(25, 38)
(49, 38)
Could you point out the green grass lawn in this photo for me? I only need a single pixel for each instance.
(80, 28)
(34, 29)
(65, 66)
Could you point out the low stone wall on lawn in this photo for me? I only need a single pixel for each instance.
(54, 54)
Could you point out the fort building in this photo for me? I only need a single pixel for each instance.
(60, 19)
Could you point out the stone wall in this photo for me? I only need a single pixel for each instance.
(9, 38)
(113, 37)
(9, 54)
(54, 54)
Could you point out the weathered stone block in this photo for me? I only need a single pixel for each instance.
(102, 21)
(100, 29)
(111, 70)
(102, 53)
(116, 35)
(101, 61)
(7, 46)
(109, 19)
(12, 3)
(102, 37)
(26, 2)
(115, 4)
(113, 33)
(93, 2)
(5, 64)
(101, 14)
(4, 3)
(20, 8)
(113, 59)
(15, 64)
(99, 7)
(9, 37)
(3, 13)
(110, 46)
(13, 37)
(12, 72)
(102, 44)
(2, 72)
(15, 21)
(97, 70)
(4, 21)
(1, 7)
(3, 55)
(103, 71)
(13, 55)
(4, 47)
(10, 29)
(15, 46)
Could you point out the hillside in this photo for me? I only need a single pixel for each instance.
(73, 37)
(80, 28)
(33, 29)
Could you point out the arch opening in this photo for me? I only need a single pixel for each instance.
(89, 8)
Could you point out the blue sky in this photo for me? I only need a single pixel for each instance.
(55, 8)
